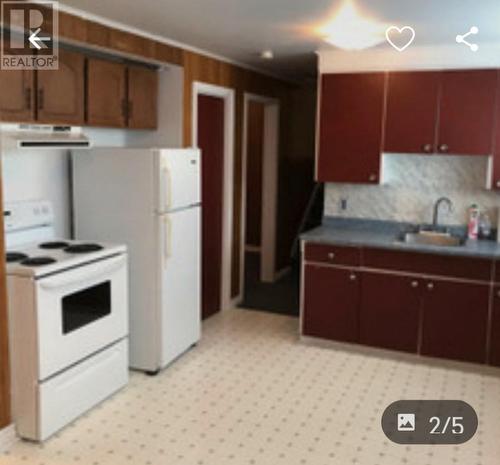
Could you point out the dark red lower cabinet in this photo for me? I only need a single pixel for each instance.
(455, 320)
(495, 328)
(331, 303)
(390, 311)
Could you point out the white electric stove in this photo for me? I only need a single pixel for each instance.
(68, 321)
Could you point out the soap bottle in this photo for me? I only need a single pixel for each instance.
(473, 229)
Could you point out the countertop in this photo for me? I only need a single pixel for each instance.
(386, 235)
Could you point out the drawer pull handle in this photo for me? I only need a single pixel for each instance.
(353, 277)
(427, 148)
(430, 286)
(331, 256)
(414, 284)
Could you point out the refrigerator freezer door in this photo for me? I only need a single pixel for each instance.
(179, 179)
(180, 282)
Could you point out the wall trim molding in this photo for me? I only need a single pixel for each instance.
(8, 438)
(440, 57)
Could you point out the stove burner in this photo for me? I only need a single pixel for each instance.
(53, 245)
(83, 248)
(38, 261)
(13, 257)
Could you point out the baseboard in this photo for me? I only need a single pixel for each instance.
(283, 272)
(8, 438)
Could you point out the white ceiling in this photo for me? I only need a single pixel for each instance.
(240, 29)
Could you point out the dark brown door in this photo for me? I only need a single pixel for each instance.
(495, 328)
(351, 121)
(211, 143)
(61, 92)
(331, 303)
(390, 311)
(106, 93)
(412, 112)
(455, 316)
(142, 98)
(467, 112)
(255, 145)
(17, 96)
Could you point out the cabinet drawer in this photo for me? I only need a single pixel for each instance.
(476, 269)
(334, 255)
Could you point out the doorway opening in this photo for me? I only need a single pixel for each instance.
(263, 287)
(213, 133)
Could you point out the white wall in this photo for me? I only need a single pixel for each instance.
(411, 185)
(44, 174)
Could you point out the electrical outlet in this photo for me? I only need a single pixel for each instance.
(343, 204)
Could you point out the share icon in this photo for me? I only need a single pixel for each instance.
(461, 39)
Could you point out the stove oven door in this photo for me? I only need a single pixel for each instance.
(80, 312)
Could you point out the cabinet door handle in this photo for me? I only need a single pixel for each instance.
(27, 97)
(125, 109)
(444, 148)
(129, 109)
(373, 177)
(331, 256)
(41, 99)
(430, 286)
(353, 277)
(414, 284)
(427, 148)
(498, 183)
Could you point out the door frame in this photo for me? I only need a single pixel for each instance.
(228, 95)
(270, 165)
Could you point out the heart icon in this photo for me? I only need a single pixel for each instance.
(400, 37)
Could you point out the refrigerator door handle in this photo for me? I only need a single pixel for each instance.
(168, 188)
(168, 238)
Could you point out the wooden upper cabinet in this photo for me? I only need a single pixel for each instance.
(412, 112)
(60, 98)
(17, 96)
(142, 98)
(106, 93)
(350, 129)
(467, 109)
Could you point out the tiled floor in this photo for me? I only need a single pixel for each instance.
(250, 393)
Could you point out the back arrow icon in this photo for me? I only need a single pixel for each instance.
(38, 42)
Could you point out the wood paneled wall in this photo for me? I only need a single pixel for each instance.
(4, 352)
(208, 70)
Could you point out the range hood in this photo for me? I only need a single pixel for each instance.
(47, 137)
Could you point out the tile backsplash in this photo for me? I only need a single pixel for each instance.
(410, 186)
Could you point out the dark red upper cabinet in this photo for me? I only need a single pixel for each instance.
(467, 112)
(350, 130)
(412, 112)
(455, 320)
(496, 153)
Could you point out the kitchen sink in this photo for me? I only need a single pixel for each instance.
(433, 238)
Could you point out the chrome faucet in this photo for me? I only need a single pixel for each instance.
(435, 218)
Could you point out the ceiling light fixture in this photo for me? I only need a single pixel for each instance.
(267, 55)
(349, 30)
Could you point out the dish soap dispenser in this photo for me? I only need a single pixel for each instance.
(473, 228)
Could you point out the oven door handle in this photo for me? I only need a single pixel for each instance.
(54, 283)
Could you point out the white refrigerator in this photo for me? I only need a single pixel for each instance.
(149, 199)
